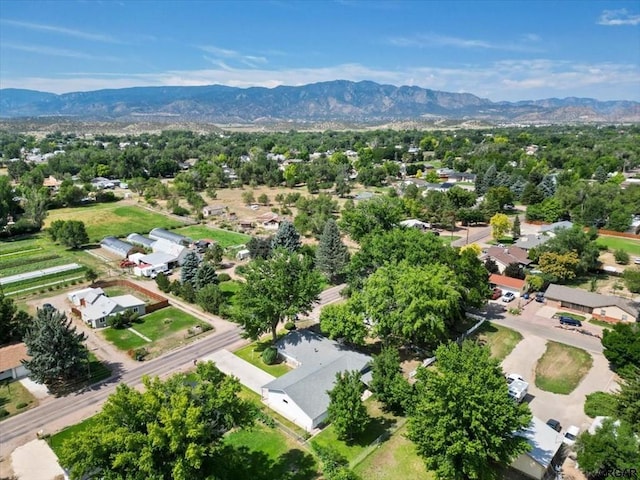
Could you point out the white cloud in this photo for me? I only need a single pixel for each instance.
(618, 17)
(57, 52)
(252, 61)
(96, 37)
(504, 80)
(430, 40)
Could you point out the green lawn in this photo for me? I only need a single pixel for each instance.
(252, 354)
(104, 219)
(396, 458)
(12, 395)
(447, 238)
(575, 316)
(225, 238)
(56, 441)
(600, 323)
(158, 325)
(629, 245)
(229, 290)
(501, 340)
(561, 368)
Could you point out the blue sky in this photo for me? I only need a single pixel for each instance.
(501, 50)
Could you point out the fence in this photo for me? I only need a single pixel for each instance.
(160, 301)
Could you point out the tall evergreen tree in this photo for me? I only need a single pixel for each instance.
(259, 247)
(347, 413)
(515, 228)
(190, 268)
(205, 275)
(286, 237)
(332, 256)
(58, 354)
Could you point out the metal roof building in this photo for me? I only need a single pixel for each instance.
(117, 246)
(140, 240)
(158, 233)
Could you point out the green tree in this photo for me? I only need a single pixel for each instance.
(210, 298)
(379, 213)
(189, 268)
(496, 198)
(332, 255)
(577, 240)
(388, 383)
(559, 267)
(340, 321)
(8, 206)
(631, 278)
(163, 282)
(263, 199)
(515, 228)
(347, 413)
(35, 205)
(91, 275)
(514, 270)
(621, 257)
(464, 421)
(276, 289)
(72, 234)
(286, 237)
(628, 399)
(500, 225)
(334, 465)
(622, 347)
(58, 355)
(13, 322)
(613, 446)
(205, 275)
(248, 198)
(259, 247)
(173, 429)
(214, 254)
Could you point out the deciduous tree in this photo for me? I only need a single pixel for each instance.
(500, 225)
(13, 322)
(388, 383)
(559, 267)
(464, 421)
(380, 213)
(347, 413)
(259, 247)
(622, 347)
(340, 321)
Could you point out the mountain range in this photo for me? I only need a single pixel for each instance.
(340, 100)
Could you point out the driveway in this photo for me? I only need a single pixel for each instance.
(36, 461)
(249, 375)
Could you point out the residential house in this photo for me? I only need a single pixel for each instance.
(503, 256)
(415, 223)
(269, 220)
(546, 453)
(51, 182)
(102, 183)
(507, 284)
(556, 226)
(438, 187)
(11, 357)
(95, 309)
(116, 246)
(527, 242)
(78, 296)
(161, 233)
(301, 395)
(461, 177)
(245, 225)
(608, 308)
(213, 210)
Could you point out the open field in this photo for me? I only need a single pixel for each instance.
(395, 458)
(252, 353)
(629, 245)
(13, 395)
(501, 340)
(561, 368)
(116, 219)
(225, 238)
(165, 327)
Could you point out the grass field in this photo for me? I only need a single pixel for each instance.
(561, 368)
(114, 219)
(12, 395)
(500, 340)
(157, 326)
(225, 238)
(393, 459)
(252, 354)
(632, 247)
(56, 441)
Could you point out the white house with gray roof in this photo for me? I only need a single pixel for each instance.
(301, 395)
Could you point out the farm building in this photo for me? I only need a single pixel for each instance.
(152, 264)
(608, 308)
(141, 240)
(243, 254)
(178, 252)
(11, 358)
(213, 210)
(161, 233)
(301, 395)
(117, 246)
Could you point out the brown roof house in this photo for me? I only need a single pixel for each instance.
(608, 308)
(11, 358)
(504, 256)
(269, 220)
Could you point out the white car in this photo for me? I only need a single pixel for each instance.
(636, 260)
(513, 377)
(571, 435)
(508, 297)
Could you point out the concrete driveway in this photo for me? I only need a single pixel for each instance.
(567, 409)
(36, 461)
(249, 375)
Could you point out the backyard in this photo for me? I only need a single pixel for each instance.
(14, 398)
(116, 219)
(252, 353)
(501, 340)
(632, 247)
(561, 368)
(225, 238)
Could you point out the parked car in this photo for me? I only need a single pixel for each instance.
(48, 306)
(564, 320)
(636, 260)
(508, 297)
(512, 377)
(540, 297)
(555, 424)
(496, 294)
(571, 435)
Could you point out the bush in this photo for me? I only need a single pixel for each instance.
(600, 404)
(3, 413)
(223, 277)
(269, 355)
(290, 326)
(21, 405)
(621, 257)
(181, 211)
(631, 278)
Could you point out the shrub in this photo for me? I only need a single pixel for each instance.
(223, 277)
(3, 413)
(621, 257)
(21, 405)
(269, 355)
(290, 326)
(205, 327)
(181, 211)
(140, 354)
(600, 404)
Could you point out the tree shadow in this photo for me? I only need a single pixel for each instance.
(378, 426)
(240, 463)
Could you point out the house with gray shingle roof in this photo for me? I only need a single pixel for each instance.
(301, 395)
(527, 242)
(608, 308)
